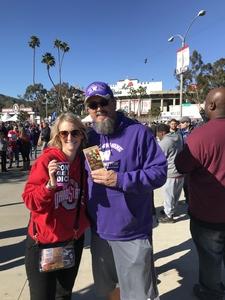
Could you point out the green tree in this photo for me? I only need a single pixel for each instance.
(23, 116)
(201, 77)
(154, 112)
(72, 98)
(76, 104)
(218, 73)
(139, 93)
(33, 43)
(36, 95)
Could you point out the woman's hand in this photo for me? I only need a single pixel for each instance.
(52, 169)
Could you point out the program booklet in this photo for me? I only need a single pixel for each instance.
(93, 158)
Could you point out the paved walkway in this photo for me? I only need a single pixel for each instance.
(175, 258)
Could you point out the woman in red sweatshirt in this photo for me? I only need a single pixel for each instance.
(57, 209)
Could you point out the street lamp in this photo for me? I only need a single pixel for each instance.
(183, 39)
(46, 105)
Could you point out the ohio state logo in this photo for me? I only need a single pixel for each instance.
(68, 197)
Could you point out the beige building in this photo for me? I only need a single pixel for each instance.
(155, 96)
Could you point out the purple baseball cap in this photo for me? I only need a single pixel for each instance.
(100, 89)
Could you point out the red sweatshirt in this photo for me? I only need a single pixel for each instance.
(53, 212)
(203, 158)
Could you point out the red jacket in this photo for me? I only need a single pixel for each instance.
(12, 138)
(53, 212)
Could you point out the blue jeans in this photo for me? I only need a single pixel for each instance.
(210, 246)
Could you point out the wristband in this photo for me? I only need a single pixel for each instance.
(49, 186)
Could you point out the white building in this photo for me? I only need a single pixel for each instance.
(141, 105)
(122, 87)
(168, 101)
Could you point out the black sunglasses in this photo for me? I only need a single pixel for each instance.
(94, 104)
(65, 133)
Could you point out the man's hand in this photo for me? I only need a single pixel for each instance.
(105, 177)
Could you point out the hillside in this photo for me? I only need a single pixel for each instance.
(7, 101)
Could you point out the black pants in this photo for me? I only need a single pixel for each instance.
(50, 285)
(3, 160)
(186, 188)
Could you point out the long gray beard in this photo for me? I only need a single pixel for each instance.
(105, 127)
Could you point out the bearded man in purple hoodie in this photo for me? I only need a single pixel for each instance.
(120, 205)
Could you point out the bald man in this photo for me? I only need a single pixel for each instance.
(203, 157)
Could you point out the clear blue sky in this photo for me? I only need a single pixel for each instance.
(109, 40)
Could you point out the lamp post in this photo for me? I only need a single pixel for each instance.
(183, 39)
(46, 106)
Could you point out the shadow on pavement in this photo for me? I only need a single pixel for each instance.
(85, 294)
(14, 175)
(13, 252)
(187, 270)
(13, 233)
(9, 204)
(181, 212)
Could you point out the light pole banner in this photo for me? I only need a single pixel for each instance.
(183, 58)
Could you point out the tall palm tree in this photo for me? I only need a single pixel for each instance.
(57, 44)
(61, 47)
(64, 47)
(49, 60)
(33, 43)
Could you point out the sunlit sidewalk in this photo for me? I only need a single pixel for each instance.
(175, 259)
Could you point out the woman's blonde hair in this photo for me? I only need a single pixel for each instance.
(71, 118)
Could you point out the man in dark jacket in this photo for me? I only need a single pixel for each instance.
(203, 158)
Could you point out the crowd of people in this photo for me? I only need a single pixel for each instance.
(117, 201)
(19, 142)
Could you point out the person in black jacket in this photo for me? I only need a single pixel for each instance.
(3, 150)
(34, 136)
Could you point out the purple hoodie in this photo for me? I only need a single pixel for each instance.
(125, 212)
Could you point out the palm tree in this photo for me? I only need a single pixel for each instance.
(61, 47)
(139, 93)
(33, 43)
(57, 44)
(64, 47)
(49, 60)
